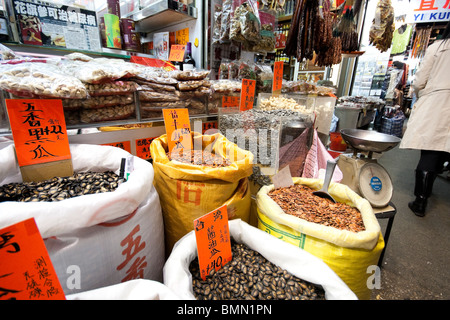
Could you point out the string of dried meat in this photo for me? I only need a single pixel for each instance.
(346, 30)
(328, 47)
(311, 32)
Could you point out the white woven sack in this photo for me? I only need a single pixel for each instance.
(100, 239)
(140, 289)
(288, 257)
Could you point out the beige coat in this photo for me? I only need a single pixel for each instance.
(428, 127)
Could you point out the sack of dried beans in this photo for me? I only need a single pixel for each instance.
(262, 268)
(192, 184)
(345, 235)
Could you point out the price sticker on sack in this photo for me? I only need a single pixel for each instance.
(178, 129)
(247, 94)
(26, 271)
(213, 240)
(177, 52)
(277, 78)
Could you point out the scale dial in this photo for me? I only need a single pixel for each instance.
(375, 184)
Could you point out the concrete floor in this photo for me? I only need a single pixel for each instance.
(417, 257)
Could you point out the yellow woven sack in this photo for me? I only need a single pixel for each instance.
(189, 191)
(347, 253)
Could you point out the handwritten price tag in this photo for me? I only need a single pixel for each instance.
(177, 52)
(230, 101)
(247, 94)
(213, 240)
(39, 130)
(178, 129)
(143, 148)
(277, 77)
(26, 271)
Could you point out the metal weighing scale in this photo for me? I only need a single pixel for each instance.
(361, 172)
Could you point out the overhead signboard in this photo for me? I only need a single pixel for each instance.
(421, 11)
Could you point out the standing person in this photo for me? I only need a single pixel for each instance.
(428, 127)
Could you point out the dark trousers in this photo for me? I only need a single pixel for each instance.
(432, 161)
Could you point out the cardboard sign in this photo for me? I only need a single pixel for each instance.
(26, 271)
(213, 240)
(177, 52)
(178, 129)
(247, 94)
(277, 77)
(143, 148)
(283, 178)
(230, 101)
(39, 130)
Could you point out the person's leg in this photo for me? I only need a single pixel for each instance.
(429, 165)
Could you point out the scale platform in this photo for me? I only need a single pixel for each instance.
(361, 171)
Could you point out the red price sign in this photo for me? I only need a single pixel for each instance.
(143, 148)
(177, 52)
(247, 94)
(26, 271)
(230, 101)
(213, 240)
(277, 77)
(39, 130)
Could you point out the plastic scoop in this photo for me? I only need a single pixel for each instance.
(323, 193)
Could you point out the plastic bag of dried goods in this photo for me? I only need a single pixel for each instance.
(99, 70)
(96, 240)
(294, 260)
(139, 289)
(38, 79)
(188, 191)
(347, 253)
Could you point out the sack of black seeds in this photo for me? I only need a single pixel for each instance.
(299, 275)
(95, 240)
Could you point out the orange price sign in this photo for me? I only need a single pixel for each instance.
(177, 52)
(230, 102)
(182, 36)
(247, 94)
(143, 148)
(277, 77)
(178, 129)
(26, 271)
(213, 240)
(39, 130)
